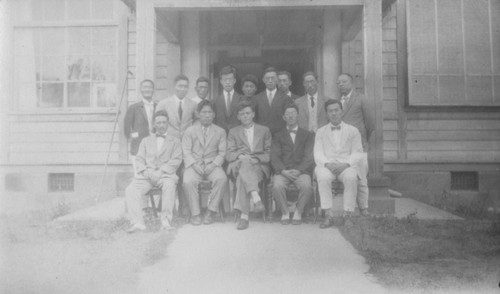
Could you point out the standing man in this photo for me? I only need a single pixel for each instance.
(269, 104)
(312, 115)
(157, 161)
(202, 89)
(138, 122)
(204, 148)
(356, 111)
(226, 115)
(181, 111)
(293, 162)
(284, 83)
(248, 154)
(338, 154)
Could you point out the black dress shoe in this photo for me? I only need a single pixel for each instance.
(242, 224)
(296, 222)
(328, 222)
(209, 218)
(285, 222)
(195, 220)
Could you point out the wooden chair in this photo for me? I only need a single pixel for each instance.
(155, 205)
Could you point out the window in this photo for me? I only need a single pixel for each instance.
(70, 60)
(453, 52)
(61, 182)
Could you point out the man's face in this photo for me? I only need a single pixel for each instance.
(206, 115)
(249, 89)
(147, 90)
(334, 113)
(227, 82)
(246, 116)
(284, 83)
(290, 116)
(344, 84)
(310, 84)
(181, 88)
(202, 89)
(161, 124)
(271, 80)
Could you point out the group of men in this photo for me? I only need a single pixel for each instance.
(233, 137)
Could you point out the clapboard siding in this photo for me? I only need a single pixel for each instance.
(453, 145)
(61, 148)
(62, 127)
(62, 158)
(452, 125)
(467, 156)
(462, 135)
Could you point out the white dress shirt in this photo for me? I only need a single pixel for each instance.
(159, 142)
(149, 108)
(270, 94)
(228, 99)
(249, 132)
(293, 135)
(345, 98)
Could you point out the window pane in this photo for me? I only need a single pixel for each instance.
(452, 90)
(78, 94)
(79, 41)
(52, 41)
(53, 9)
(451, 55)
(78, 9)
(27, 68)
(423, 90)
(52, 95)
(103, 68)
(102, 9)
(103, 40)
(53, 68)
(104, 94)
(422, 37)
(27, 42)
(78, 68)
(477, 37)
(28, 95)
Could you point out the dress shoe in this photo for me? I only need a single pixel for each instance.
(136, 228)
(195, 220)
(259, 207)
(364, 212)
(209, 218)
(296, 222)
(242, 224)
(328, 222)
(285, 221)
(165, 225)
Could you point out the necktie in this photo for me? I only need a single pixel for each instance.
(180, 110)
(343, 100)
(337, 127)
(205, 135)
(312, 101)
(228, 102)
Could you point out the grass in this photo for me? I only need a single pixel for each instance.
(429, 255)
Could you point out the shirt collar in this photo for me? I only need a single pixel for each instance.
(230, 92)
(146, 102)
(315, 96)
(340, 124)
(178, 99)
(272, 92)
(250, 128)
(294, 129)
(348, 95)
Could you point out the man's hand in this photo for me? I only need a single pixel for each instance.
(289, 174)
(254, 160)
(244, 156)
(210, 168)
(156, 176)
(198, 169)
(295, 172)
(336, 167)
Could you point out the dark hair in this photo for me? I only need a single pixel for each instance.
(333, 101)
(290, 105)
(227, 70)
(284, 72)
(202, 79)
(310, 73)
(147, 81)
(181, 77)
(244, 104)
(249, 78)
(204, 103)
(268, 70)
(161, 113)
(348, 75)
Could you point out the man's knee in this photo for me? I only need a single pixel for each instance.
(324, 175)
(279, 183)
(350, 175)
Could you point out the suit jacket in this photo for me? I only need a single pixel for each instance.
(287, 155)
(224, 119)
(167, 159)
(136, 121)
(178, 126)
(195, 149)
(357, 113)
(303, 104)
(350, 149)
(237, 144)
(271, 116)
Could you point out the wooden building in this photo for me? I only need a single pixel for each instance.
(429, 68)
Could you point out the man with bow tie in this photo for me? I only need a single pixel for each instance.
(157, 161)
(338, 153)
(204, 148)
(292, 160)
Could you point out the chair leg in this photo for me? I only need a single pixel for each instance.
(153, 205)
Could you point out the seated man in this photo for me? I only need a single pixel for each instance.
(156, 163)
(204, 147)
(292, 160)
(338, 153)
(248, 154)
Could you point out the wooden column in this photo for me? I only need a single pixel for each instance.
(190, 47)
(332, 51)
(145, 41)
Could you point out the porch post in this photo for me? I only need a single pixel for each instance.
(190, 47)
(145, 41)
(332, 51)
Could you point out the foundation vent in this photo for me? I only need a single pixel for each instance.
(61, 182)
(468, 181)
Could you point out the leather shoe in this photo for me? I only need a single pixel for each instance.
(195, 220)
(165, 225)
(259, 207)
(296, 222)
(364, 212)
(242, 224)
(285, 222)
(209, 218)
(328, 222)
(136, 228)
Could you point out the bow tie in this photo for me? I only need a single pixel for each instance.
(293, 131)
(162, 136)
(335, 128)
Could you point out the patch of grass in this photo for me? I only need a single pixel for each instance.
(428, 254)
(62, 208)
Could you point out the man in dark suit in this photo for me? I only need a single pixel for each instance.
(356, 111)
(138, 122)
(248, 154)
(292, 159)
(226, 115)
(269, 104)
(312, 115)
(284, 83)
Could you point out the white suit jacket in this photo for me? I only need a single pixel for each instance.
(167, 159)
(350, 149)
(178, 126)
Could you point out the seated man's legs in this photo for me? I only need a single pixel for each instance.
(168, 186)
(133, 200)
(325, 178)
(190, 183)
(280, 183)
(303, 183)
(247, 181)
(350, 179)
(219, 183)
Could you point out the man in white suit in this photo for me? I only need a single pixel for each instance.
(157, 161)
(338, 153)
(204, 148)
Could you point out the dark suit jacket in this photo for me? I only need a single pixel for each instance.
(136, 120)
(223, 119)
(287, 155)
(271, 116)
(358, 114)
